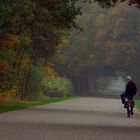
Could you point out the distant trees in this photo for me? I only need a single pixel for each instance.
(108, 43)
(109, 3)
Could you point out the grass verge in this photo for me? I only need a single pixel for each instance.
(27, 104)
(137, 103)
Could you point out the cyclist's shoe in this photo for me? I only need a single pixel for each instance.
(132, 113)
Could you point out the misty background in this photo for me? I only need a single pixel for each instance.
(99, 57)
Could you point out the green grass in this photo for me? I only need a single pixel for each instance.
(16, 106)
(137, 103)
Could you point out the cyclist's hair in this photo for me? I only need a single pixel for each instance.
(129, 78)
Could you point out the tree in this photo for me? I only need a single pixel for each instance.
(110, 3)
(110, 38)
(37, 27)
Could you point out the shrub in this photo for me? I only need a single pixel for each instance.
(35, 85)
(57, 87)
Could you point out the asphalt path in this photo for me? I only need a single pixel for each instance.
(75, 119)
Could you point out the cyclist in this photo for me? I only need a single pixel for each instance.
(130, 90)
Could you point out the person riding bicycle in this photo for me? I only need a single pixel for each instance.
(130, 90)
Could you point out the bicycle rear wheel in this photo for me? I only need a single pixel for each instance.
(128, 112)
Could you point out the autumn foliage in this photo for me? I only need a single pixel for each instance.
(30, 34)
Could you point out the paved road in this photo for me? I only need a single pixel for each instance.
(76, 119)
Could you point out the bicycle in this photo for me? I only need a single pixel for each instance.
(129, 105)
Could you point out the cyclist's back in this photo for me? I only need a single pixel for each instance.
(130, 89)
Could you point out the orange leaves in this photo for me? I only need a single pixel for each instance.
(9, 41)
(121, 53)
(3, 65)
(8, 50)
(7, 95)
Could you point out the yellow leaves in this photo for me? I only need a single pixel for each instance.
(59, 57)
(64, 40)
(49, 70)
(8, 95)
(26, 61)
(25, 40)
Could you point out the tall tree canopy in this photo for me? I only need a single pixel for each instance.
(109, 41)
(30, 32)
(110, 3)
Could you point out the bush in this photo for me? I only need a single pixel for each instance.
(35, 85)
(8, 96)
(57, 87)
(39, 84)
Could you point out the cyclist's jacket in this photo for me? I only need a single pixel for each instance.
(130, 89)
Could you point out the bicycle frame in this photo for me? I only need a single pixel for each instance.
(129, 105)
